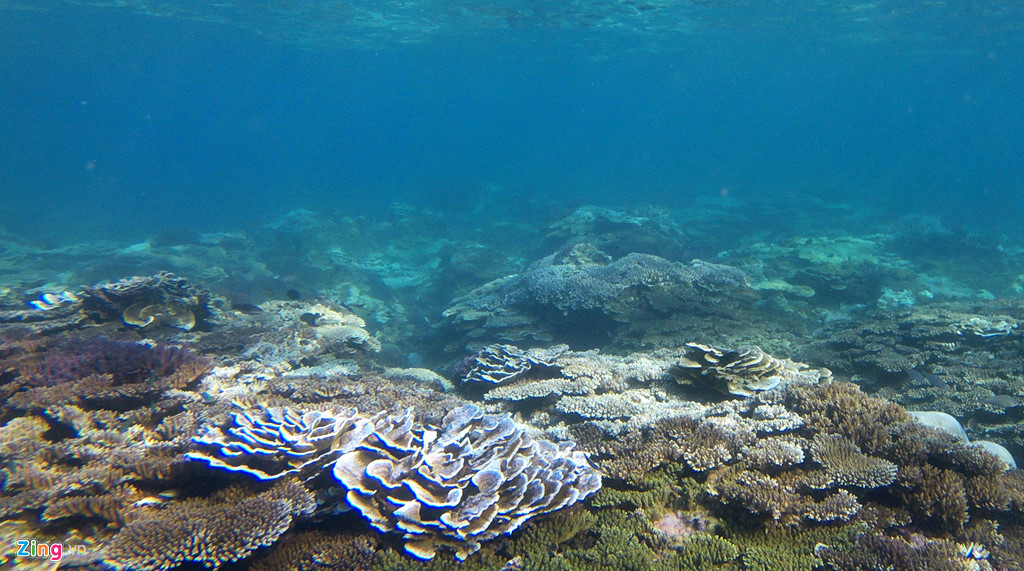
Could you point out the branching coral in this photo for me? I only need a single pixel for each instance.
(846, 465)
(211, 531)
(99, 372)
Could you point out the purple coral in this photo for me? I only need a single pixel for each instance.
(70, 358)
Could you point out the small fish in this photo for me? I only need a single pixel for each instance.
(930, 378)
(246, 308)
(50, 300)
(1000, 401)
(70, 297)
(936, 381)
(149, 502)
(915, 376)
(42, 305)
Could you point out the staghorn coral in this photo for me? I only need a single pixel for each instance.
(210, 531)
(782, 499)
(315, 550)
(876, 551)
(846, 465)
(114, 507)
(842, 408)
(775, 452)
(100, 372)
(464, 482)
(86, 464)
(935, 497)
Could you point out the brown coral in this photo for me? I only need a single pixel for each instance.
(144, 300)
(211, 531)
(846, 465)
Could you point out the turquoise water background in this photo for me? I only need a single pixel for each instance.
(128, 119)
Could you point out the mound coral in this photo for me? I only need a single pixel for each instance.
(577, 295)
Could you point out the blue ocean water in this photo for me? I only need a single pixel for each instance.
(128, 120)
(712, 244)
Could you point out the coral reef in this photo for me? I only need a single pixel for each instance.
(828, 270)
(739, 372)
(459, 484)
(210, 531)
(289, 335)
(936, 336)
(162, 299)
(959, 358)
(555, 387)
(693, 455)
(95, 372)
(471, 479)
(578, 295)
(648, 230)
(151, 302)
